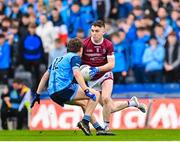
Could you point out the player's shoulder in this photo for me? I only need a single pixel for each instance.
(107, 42)
(86, 40)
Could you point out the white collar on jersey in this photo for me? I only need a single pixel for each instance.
(96, 42)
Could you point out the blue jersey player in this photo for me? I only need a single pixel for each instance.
(62, 87)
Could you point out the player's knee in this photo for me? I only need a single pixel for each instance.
(105, 100)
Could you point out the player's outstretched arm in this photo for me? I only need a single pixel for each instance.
(41, 86)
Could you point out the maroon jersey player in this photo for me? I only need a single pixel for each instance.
(97, 55)
(98, 52)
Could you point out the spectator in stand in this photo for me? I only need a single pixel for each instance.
(159, 34)
(137, 51)
(59, 25)
(167, 28)
(87, 15)
(151, 7)
(172, 59)
(121, 57)
(59, 51)
(80, 34)
(16, 13)
(167, 5)
(47, 34)
(5, 59)
(177, 28)
(74, 22)
(102, 7)
(33, 53)
(153, 60)
(15, 102)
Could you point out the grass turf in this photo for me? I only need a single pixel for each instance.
(70, 135)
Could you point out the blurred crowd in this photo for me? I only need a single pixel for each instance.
(145, 34)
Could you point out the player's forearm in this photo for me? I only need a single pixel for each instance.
(107, 67)
(80, 80)
(42, 83)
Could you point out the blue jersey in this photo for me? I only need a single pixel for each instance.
(61, 72)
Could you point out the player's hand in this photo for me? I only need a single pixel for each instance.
(90, 95)
(35, 99)
(93, 71)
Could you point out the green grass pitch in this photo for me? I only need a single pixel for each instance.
(121, 135)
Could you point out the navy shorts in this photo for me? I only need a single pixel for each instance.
(65, 95)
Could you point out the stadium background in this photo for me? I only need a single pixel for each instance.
(130, 25)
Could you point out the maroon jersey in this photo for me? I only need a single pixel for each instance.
(96, 55)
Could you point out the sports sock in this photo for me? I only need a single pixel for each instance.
(97, 126)
(132, 103)
(106, 125)
(86, 119)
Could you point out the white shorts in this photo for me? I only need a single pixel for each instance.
(96, 84)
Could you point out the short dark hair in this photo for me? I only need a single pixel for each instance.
(18, 80)
(74, 45)
(99, 23)
(2, 36)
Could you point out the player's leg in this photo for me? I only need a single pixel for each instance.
(83, 105)
(91, 105)
(107, 86)
(133, 102)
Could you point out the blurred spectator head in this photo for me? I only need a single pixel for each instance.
(122, 34)
(15, 22)
(6, 22)
(32, 19)
(140, 32)
(165, 1)
(136, 3)
(154, 3)
(14, 29)
(55, 12)
(162, 12)
(2, 16)
(2, 7)
(31, 1)
(159, 30)
(41, 8)
(85, 2)
(175, 14)
(115, 37)
(30, 9)
(147, 21)
(172, 38)
(2, 39)
(43, 18)
(15, 8)
(32, 29)
(58, 43)
(20, 2)
(163, 22)
(130, 19)
(25, 19)
(175, 4)
(153, 41)
(80, 33)
(121, 1)
(17, 83)
(75, 7)
(138, 12)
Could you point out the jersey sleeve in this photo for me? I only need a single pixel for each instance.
(75, 62)
(110, 49)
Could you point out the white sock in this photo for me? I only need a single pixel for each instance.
(132, 103)
(106, 125)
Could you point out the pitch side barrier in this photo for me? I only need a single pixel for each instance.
(141, 91)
